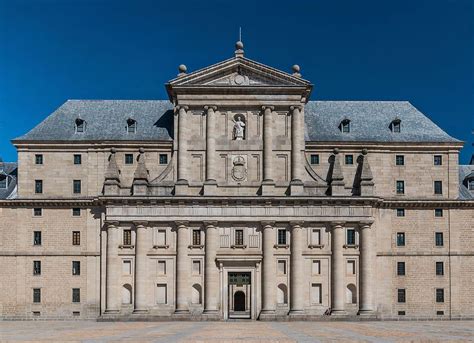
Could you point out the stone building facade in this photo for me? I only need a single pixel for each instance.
(237, 198)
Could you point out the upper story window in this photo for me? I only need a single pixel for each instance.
(281, 237)
(351, 238)
(38, 159)
(439, 241)
(314, 159)
(76, 212)
(163, 159)
(128, 158)
(345, 126)
(400, 187)
(37, 212)
(438, 212)
(131, 125)
(80, 125)
(400, 160)
(38, 186)
(76, 186)
(196, 237)
(400, 239)
(36, 267)
(239, 237)
(127, 237)
(349, 159)
(400, 212)
(37, 238)
(395, 125)
(77, 159)
(438, 160)
(3, 181)
(438, 187)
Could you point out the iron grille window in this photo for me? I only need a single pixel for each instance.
(400, 187)
(76, 186)
(76, 295)
(37, 238)
(38, 159)
(400, 212)
(439, 268)
(439, 239)
(38, 186)
(281, 237)
(438, 160)
(401, 295)
(239, 278)
(196, 237)
(77, 159)
(438, 212)
(349, 159)
(314, 159)
(400, 268)
(163, 159)
(76, 212)
(76, 268)
(128, 158)
(127, 237)
(239, 237)
(36, 267)
(37, 212)
(351, 239)
(440, 295)
(438, 187)
(400, 239)
(36, 295)
(400, 160)
(76, 238)
(401, 313)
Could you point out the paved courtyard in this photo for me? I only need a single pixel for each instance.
(88, 331)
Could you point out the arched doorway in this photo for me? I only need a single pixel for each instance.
(239, 301)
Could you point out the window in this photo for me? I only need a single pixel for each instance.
(37, 238)
(239, 237)
(36, 267)
(163, 159)
(76, 238)
(438, 212)
(77, 159)
(36, 313)
(400, 239)
(76, 186)
(161, 267)
(316, 267)
(400, 160)
(76, 295)
(161, 237)
(76, 212)
(396, 126)
(349, 159)
(127, 237)
(161, 297)
(196, 267)
(36, 295)
(37, 212)
(80, 125)
(196, 237)
(3, 182)
(351, 239)
(351, 267)
(438, 160)
(401, 295)
(127, 267)
(128, 158)
(38, 159)
(76, 313)
(439, 239)
(314, 159)
(471, 185)
(282, 267)
(76, 268)
(401, 313)
(439, 268)
(400, 268)
(400, 187)
(440, 313)
(281, 237)
(345, 126)
(438, 187)
(440, 295)
(400, 212)
(131, 125)
(316, 237)
(316, 293)
(38, 186)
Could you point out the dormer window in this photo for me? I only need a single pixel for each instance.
(80, 125)
(345, 126)
(395, 125)
(3, 181)
(131, 125)
(469, 181)
(470, 185)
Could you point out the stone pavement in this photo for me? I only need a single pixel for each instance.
(94, 332)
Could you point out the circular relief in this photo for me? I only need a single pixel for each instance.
(239, 79)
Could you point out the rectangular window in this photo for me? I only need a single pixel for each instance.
(400, 212)
(316, 293)
(76, 268)
(396, 127)
(349, 159)
(36, 295)
(161, 297)
(351, 238)
(439, 239)
(76, 186)
(76, 313)
(76, 238)
(36, 313)
(438, 212)
(400, 239)
(163, 159)
(36, 267)
(400, 268)
(196, 267)
(3, 181)
(128, 158)
(76, 295)
(161, 237)
(282, 267)
(37, 212)
(127, 237)
(438, 160)
(440, 295)
(316, 237)
(196, 237)
(346, 128)
(76, 212)
(400, 187)
(471, 185)
(400, 160)
(314, 159)
(37, 238)
(439, 268)
(316, 267)
(281, 237)
(438, 187)
(440, 313)
(127, 267)
(38, 186)
(239, 237)
(351, 267)
(38, 159)
(401, 313)
(401, 295)
(161, 267)
(77, 159)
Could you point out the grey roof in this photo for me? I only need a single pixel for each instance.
(10, 170)
(370, 121)
(464, 172)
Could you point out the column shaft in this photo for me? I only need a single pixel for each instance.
(112, 294)
(211, 276)
(267, 144)
(296, 270)
(269, 270)
(141, 282)
(182, 270)
(210, 144)
(297, 143)
(337, 269)
(367, 264)
(182, 170)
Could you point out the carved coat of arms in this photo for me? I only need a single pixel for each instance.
(239, 170)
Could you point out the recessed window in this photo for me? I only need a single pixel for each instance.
(351, 267)
(131, 125)
(400, 160)
(349, 159)
(37, 238)
(76, 295)
(470, 185)
(36, 295)
(128, 158)
(439, 268)
(400, 187)
(281, 237)
(440, 313)
(76, 268)
(80, 125)
(38, 159)
(161, 267)
(76, 186)
(395, 125)
(163, 159)
(316, 269)
(440, 295)
(438, 160)
(161, 294)
(316, 236)
(400, 239)
(351, 239)
(400, 268)
(196, 267)
(314, 159)
(77, 159)
(127, 267)
(36, 313)
(37, 212)
(3, 181)
(196, 237)
(239, 237)
(438, 212)
(160, 237)
(36, 267)
(438, 187)
(38, 186)
(345, 126)
(76, 212)
(439, 241)
(401, 295)
(76, 313)
(282, 267)
(76, 238)
(127, 237)
(401, 313)
(400, 212)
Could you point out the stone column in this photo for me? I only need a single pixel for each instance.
(297, 269)
(269, 270)
(141, 278)
(211, 273)
(182, 271)
(267, 144)
(182, 167)
(297, 143)
(210, 144)
(112, 287)
(367, 266)
(337, 268)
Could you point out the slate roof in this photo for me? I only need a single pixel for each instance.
(10, 170)
(106, 120)
(464, 171)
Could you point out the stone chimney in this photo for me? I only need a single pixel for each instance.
(140, 178)
(337, 179)
(366, 177)
(112, 176)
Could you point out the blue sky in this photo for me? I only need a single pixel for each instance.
(54, 50)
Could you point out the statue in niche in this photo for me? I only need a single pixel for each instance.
(239, 127)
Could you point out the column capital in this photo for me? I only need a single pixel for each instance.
(365, 224)
(182, 224)
(210, 223)
(299, 108)
(296, 224)
(337, 224)
(181, 107)
(111, 224)
(210, 107)
(271, 108)
(140, 223)
(267, 224)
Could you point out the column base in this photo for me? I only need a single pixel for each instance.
(181, 312)
(140, 311)
(338, 313)
(296, 312)
(111, 311)
(366, 313)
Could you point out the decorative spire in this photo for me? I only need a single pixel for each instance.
(239, 49)
(182, 70)
(112, 173)
(141, 173)
(296, 70)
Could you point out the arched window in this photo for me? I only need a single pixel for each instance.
(131, 125)
(395, 125)
(345, 126)
(80, 126)
(196, 297)
(351, 294)
(282, 294)
(126, 294)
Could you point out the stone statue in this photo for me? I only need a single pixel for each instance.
(239, 128)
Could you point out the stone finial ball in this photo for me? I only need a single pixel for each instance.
(296, 68)
(364, 151)
(239, 45)
(182, 68)
(141, 150)
(113, 150)
(336, 151)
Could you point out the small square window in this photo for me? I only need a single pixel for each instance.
(38, 159)
(38, 186)
(36, 267)
(77, 159)
(128, 158)
(281, 237)
(349, 159)
(351, 237)
(76, 238)
(127, 237)
(400, 268)
(37, 295)
(76, 295)
(439, 239)
(76, 186)
(76, 212)
(438, 187)
(400, 160)
(400, 187)
(314, 159)
(76, 267)
(439, 268)
(440, 295)
(37, 238)
(163, 159)
(438, 212)
(400, 239)
(401, 295)
(400, 212)
(401, 313)
(440, 313)
(37, 212)
(438, 160)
